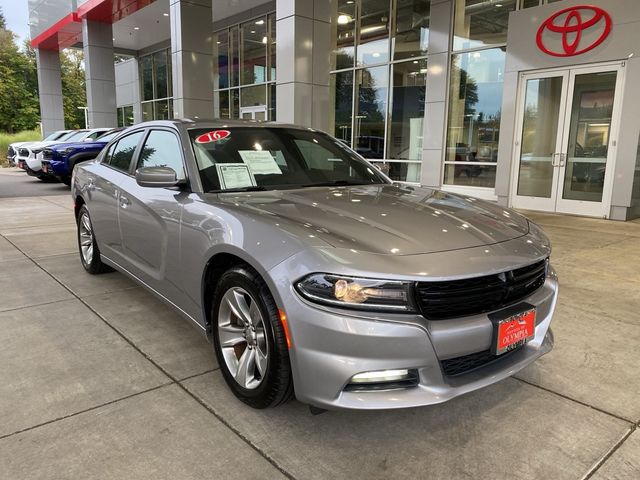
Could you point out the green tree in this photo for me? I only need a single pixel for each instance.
(73, 87)
(19, 108)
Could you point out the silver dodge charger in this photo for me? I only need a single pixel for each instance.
(312, 273)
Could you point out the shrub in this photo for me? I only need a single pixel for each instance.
(8, 138)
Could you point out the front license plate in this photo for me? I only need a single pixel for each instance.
(513, 330)
(45, 168)
(21, 164)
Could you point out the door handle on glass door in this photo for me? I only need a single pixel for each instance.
(563, 158)
(553, 159)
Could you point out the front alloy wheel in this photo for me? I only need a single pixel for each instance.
(242, 338)
(249, 339)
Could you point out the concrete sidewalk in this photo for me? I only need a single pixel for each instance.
(98, 379)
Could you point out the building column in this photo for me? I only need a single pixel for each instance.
(192, 58)
(50, 91)
(303, 29)
(435, 109)
(97, 38)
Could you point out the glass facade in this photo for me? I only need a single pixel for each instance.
(475, 100)
(378, 81)
(125, 116)
(156, 86)
(245, 71)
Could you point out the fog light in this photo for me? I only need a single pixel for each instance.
(381, 376)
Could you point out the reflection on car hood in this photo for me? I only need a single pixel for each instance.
(385, 219)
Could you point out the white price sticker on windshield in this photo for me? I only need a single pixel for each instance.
(260, 162)
(234, 175)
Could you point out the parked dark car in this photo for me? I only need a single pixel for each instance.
(58, 160)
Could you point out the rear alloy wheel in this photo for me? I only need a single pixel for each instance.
(89, 252)
(249, 340)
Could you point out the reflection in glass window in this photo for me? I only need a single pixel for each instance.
(221, 52)
(146, 74)
(343, 15)
(124, 150)
(407, 110)
(373, 45)
(254, 52)
(272, 46)
(475, 101)
(160, 67)
(342, 88)
(235, 56)
(411, 35)
(480, 22)
(253, 43)
(156, 85)
(371, 95)
(125, 116)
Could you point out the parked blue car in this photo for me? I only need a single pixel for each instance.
(58, 160)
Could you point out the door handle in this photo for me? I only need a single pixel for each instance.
(553, 159)
(563, 158)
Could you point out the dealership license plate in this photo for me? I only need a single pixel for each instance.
(513, 330)
(45, 168)
(21, 164)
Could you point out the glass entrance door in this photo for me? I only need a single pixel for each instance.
(565, 147)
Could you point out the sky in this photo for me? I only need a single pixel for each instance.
(17, 14)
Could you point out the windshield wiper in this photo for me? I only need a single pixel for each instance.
(252, 188)
(336, 183)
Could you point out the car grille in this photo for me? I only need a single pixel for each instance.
(467, 363)
(472, 296)
(47, 154)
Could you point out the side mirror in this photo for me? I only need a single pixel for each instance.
(159, 177)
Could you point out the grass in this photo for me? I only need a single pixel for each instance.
(8, 138)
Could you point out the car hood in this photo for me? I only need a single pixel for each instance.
(383, 219)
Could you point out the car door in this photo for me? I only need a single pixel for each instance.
(104, 190)
(150, 217)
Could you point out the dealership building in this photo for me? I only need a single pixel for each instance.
(531, 103)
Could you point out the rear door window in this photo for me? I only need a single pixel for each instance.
(120, 156)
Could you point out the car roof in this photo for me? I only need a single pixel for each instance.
(216, 123)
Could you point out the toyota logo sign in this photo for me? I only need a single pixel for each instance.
(569, 24)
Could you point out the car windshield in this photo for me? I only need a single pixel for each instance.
(108, 136)
(77, 135)
(53, 136)
(250, 158)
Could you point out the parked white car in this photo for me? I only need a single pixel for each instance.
(12, 152)
(31, 156)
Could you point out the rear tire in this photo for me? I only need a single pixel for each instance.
(254, 360)
(87, 245)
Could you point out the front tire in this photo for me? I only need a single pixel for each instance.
(87, 245)
(249, 339)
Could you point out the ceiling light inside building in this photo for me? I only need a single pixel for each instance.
(253, 31)
(260, 22)
(264, 40)
(344, 19)
(165, 14)
(136, 28)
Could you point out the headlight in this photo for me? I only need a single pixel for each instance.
(358, 293)
(65, 151)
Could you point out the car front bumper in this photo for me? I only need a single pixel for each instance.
(330, 346)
